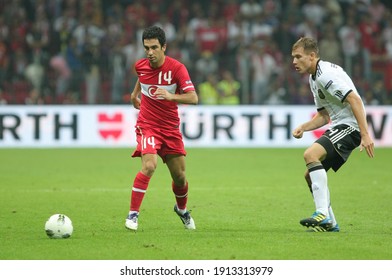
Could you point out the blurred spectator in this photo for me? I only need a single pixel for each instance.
(231, 10)
(262, 28)
(228, 89)
(19, 62)
(92, 10)
(207, 90)
(4, 28)
(263, 66)
(314, 11)
(118, 63)
(209, 37)
(132, 52)
(113, 33)
(60, 39)
(238, 33)
(376, 10)
(379, 92)
(92, 64)
(302, 96)
(277, 94)
(37, 40)
(87, 32)
(292, 11)
(168, 27)
(272, 7)
(350, 39)
(178, 13)
(73, 56)
(306, 28)
(368, 27)
(378, 55)
(67, 21)
(136, 11)
(154, 15)
(205, 65)
(292, 80)
(361, 84)
(329, 46)
(61, 76)
(285, 35)
(250, 10)
(175, 51)
(35, 73)
(334, 13)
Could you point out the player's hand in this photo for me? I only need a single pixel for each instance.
(298, 132)
(135, 100)
(367, 144)
(161, 93)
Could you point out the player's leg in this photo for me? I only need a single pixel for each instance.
(317, 176)
(148, 143)
(308, 181)
(176, 166)
(339, 143)
(142, 179)
(335, 226)
(139, 188)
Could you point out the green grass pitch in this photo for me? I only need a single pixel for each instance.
(246, 203)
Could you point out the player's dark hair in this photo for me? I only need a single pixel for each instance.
(155, 32)
(309, 45)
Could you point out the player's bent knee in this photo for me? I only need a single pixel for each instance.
(309, 156)
(180, 180)
(149, 168)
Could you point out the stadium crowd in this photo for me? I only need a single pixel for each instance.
(237, 52)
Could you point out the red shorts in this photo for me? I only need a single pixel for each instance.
(158, 141)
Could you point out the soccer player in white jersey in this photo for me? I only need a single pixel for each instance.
(339, 104)
(163, 82)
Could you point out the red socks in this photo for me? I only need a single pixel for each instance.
(138, 190)
(140, 187)
(181, 194)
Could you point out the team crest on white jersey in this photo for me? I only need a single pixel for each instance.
(149, 90)
(321, 94)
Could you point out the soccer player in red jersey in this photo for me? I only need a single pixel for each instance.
(162, 84)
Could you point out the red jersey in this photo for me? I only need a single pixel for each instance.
(172, 76)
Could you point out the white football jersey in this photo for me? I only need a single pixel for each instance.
(330, 87)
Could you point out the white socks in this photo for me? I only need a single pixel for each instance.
(320, 190)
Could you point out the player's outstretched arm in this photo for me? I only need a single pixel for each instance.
(359, 113)
(319, 120)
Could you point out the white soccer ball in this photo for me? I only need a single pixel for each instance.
(59, 226)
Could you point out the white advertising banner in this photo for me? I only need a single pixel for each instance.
(202, 126)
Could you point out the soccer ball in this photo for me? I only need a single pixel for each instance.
(58, 226)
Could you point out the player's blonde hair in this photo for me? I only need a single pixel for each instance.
(309, 45)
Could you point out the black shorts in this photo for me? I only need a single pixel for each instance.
(339, 142)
